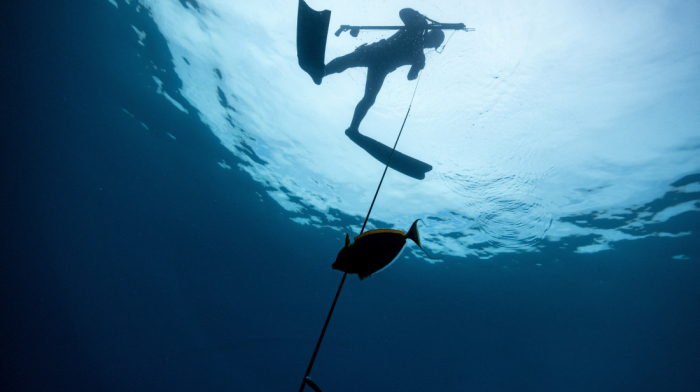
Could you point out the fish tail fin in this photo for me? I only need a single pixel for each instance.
(413, 233)
(415, 237)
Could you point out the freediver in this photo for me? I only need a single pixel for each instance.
(383, 57)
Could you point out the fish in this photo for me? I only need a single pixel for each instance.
(374, 250)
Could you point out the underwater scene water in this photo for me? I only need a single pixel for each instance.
(176, 189)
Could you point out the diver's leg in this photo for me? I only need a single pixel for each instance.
(375, 79)
(342, 63)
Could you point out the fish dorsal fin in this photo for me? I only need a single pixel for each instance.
(347, 240)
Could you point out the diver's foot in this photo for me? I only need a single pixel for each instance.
(318, 78)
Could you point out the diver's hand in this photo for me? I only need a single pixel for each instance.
(412, 75)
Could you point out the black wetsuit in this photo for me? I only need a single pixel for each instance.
(383, 57)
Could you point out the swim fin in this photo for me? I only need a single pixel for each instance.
(312, 32)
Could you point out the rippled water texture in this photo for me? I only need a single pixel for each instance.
(506, 211)
(548, 111)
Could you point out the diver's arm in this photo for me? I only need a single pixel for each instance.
(417, 66)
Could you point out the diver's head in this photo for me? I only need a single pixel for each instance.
(433, 38)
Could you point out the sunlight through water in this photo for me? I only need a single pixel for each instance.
(549, 110)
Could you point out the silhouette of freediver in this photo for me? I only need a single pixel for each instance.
(383, 57)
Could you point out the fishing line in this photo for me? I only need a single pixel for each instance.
(307, 379)
(391, 155)
(445, 45)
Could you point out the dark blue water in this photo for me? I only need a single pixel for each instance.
(133, 261)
